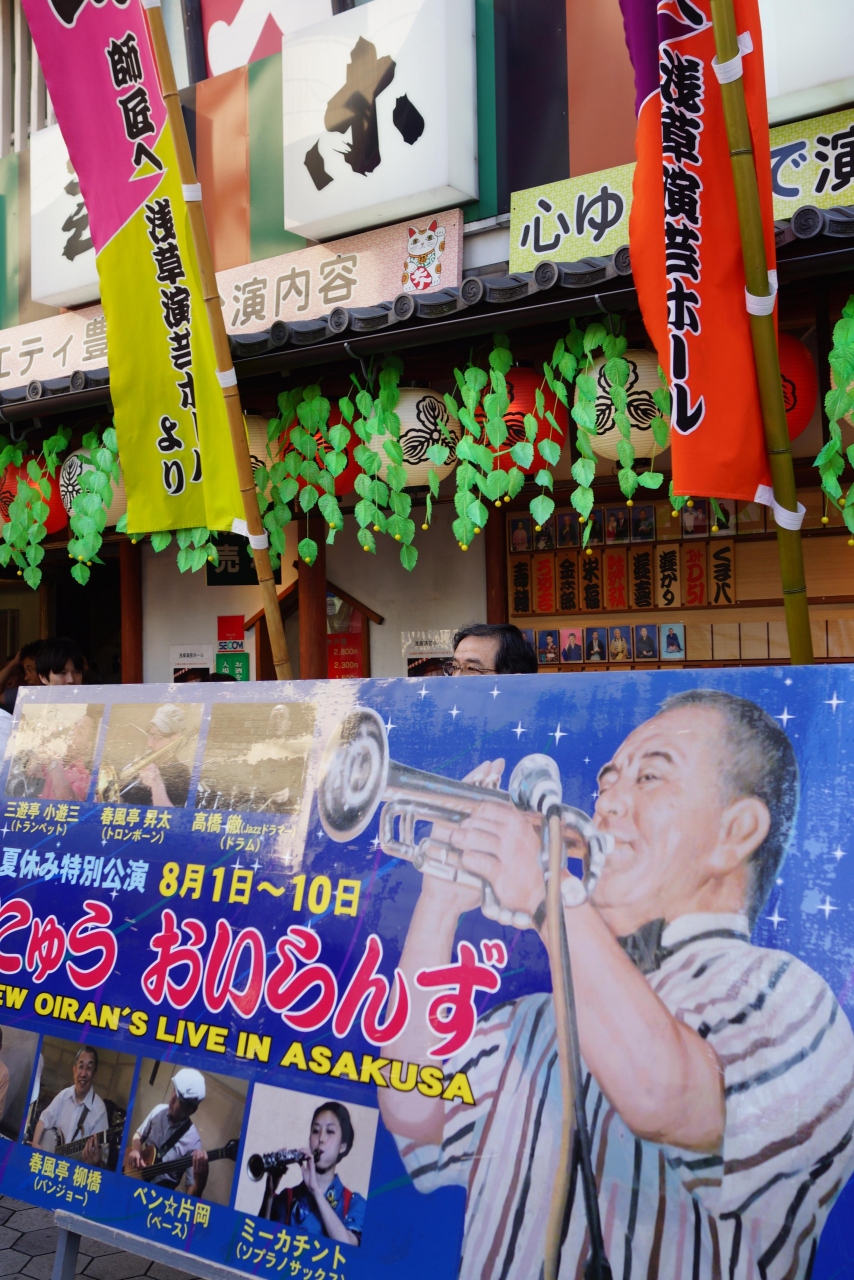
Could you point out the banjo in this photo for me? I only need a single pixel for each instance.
(53, 1140)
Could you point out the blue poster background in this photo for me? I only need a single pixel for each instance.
(443, 726)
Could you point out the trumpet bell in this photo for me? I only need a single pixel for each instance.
(353, 775)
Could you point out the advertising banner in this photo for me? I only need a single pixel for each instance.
(277, 991)
(169, 409)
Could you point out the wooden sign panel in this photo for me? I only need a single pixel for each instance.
(519, 572)
(567, 582)
(543, 582)
(615, 581)
(668, 584)
(722, 573)
(641, 569)
(590, 573)
(695, 573)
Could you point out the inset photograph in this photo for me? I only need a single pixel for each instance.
(80, 1102)
(568, 528)
(185, 1130)
(519, 533)
(672, 641)
(726, 522)
(548, 648)
(597, 528)
(595, 642)
(307, 1162)
(544, 537)
(646, 643)
(616, 525)
(256, 756)
(148, 754)
(643, 523)
(620, 644)
(52, 751)
(571, 644)
(695, 520)
(17, 1058)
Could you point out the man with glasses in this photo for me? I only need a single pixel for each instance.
(487, 649)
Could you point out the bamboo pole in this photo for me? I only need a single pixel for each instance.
(763, 335)
(239, 442)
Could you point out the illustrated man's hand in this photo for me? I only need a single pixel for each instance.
(501, 844)
(92, 1151)
(449, 894)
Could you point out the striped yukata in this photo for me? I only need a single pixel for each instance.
(753, 1211)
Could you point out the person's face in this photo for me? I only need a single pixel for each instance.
(571, 640)
(68, 675)
(476, 656)
(661, 799)
(155, 738)
(178, 1108)
(326, 1140)
(83, 1073)
(595, 636)
(617, 635)
(279, 721)
(31, 676)
(643, 633)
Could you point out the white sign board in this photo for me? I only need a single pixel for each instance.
(380, 116)
(63, 256)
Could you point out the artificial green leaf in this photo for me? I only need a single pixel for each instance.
(496, 432)
(160, 541)
(557, 353)
(122, 523)
(477, 513)
(625, 453)
(583, 471)
(651, 479)
(522, 453)
(661, 432)
(629, 481)
(433, 483)
(438, 454)
(396, 476)
(582, 499)
(308, 497)
(539, 402)
(339, 437)
(515, 482)
(544, 478)
(367, 540)
(541, 508)
(594, 336)
(500, 359)
(330, 511)
(568, 365)
(495, 484)
(549, 450)
(463, 531)
(408, 556)
(307, 550)
(366, 458)
(326, 481)
(582, 443)
(400, 503)
(80, 573)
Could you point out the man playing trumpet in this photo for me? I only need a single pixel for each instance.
(718, 1076)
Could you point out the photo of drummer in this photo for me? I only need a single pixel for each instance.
(84, 1119)
(148, 754)
(301, 1184)
(718, 1075)
(185, 1130)
(256, 756)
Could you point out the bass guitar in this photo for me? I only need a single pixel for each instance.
(153, 1166)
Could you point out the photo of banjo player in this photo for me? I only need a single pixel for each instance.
(719, 1076)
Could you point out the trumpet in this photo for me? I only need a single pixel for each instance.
(357, 775)
(275, 1162)
(112, 782)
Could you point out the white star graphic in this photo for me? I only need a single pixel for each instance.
(455, 711)
(788, 680)
(255, 865)
(389, 726)
(834, 702)
(558, 734)
(827, 906)
(5, 829)
(375, 844)
(586, 759)
(838, 853)
(114, 893)
(422, 692)
(236, 866)
(518, 730)
(495, 692)
(595, 795)
(776, 919)
(785, 717)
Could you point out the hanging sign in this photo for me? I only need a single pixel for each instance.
(277, 999)
(169, 408)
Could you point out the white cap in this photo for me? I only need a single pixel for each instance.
(189, 1084)
(169, 719)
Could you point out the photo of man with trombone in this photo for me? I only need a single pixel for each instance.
(159, 773)
(713, 1124)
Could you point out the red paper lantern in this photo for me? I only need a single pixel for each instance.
(522, 385)
(800, 383)
(346, 481)
(57, 517)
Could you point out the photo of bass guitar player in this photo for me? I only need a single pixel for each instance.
(185, 1130)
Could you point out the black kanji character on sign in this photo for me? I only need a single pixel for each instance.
(681, 81)
(682, 194)
(196, 477)
(170, 268)
(679, 135)
(188, 391)
(167, 441)
(176, 306)
(354, 106)
(842, 144)
(173, 477)
(680, 247)
(182, 355)
(161, 224)
(67, 10)
(611, 208)
(77, 223)
(125, 66)
(136, 110)
(686, 417)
